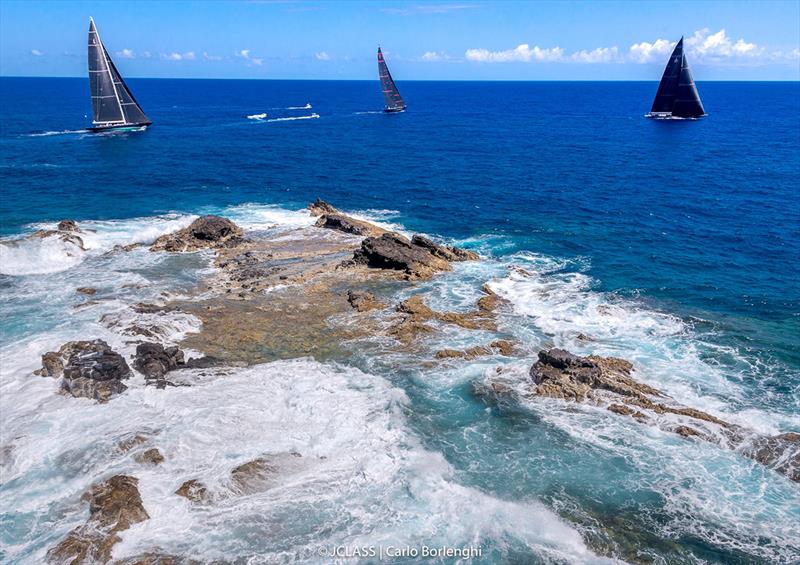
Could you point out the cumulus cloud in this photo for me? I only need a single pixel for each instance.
(645, 52)
(126, 54)
(245, 54)
(322, 56)
(36, 53)
(434, 56)
(175, 56)
(703, 47)
(522, 53)
(209, 57)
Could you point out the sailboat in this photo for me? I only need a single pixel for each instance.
(113, 105)
(394, 102)
(677, 96)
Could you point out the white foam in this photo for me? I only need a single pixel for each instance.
(36, 256)
(61, 132)
(259, 217)
(290, 119)
(362, 476)
(306, 107)
(257, 116)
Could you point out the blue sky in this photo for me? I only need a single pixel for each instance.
(457, 40)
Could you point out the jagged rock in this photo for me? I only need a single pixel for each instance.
(261, 473)
(153, 558)
(131, 442)
(150, 457)
(781, 453)
(393, 251)
(488, 303)
(154, 361)
(90, 369)
(418, 311)
(320, 207)
(500, 346)
(346, 224)
(446, 252)
(91, 291)
(363, 301)
(68, 225)
(114, 506)
(686, 431)
(193, 490)
(205, 232)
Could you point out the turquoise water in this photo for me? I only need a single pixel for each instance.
(670, 244)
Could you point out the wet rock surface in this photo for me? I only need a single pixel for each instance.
(203, 233)
(363, 301)
(154, 361)
(114, 506)
(193, 490)
(320, 207)
(90, 369)
(346, 224)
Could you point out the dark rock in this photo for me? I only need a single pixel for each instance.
(114, 506)
(91, 291)
(205, 362)
(393, 251)
(346, 224)
(153, 360)
(91, 369)
(363, 301)
(446, 252)
(320, 207)
(205, 232)
(686, 431)
(68, 226)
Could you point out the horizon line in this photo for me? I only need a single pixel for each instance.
(400, 81)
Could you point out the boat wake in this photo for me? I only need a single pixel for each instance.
(51, 133)
(258, 117)
(290, 119)
(306, 107)
(370, 112)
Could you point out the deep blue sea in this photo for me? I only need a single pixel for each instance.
(690, 230)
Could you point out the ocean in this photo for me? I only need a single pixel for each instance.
(685, 235)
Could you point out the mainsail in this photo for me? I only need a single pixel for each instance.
(394, 102)
(677, 94)
(113, 105)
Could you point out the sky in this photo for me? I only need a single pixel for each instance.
(437, 40)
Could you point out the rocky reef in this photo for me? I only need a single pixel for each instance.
(203, 233)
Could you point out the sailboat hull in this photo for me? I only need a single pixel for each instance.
(121, 127)
(670, 116)
(394, 110)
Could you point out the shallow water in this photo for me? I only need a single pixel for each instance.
(670, 245)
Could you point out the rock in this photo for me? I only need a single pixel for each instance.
(154, 361)
(363, 301)
(780, 453)
(446, 252)
(261, 473)
(488, 303)
(346, 224)
(393, 251)
(91, 291)
(320, 207)
(52, 365)
(153, 558)
(68, 226)
(205, 232)
(114, 506)
(150, 457)
(500, 346)
(131, 442)
(416, 308)
(193, 490)
(504, 347)
(686, 431)
(90, 369)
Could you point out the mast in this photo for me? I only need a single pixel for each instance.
(391, 96)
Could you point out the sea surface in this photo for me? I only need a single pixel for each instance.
(674, 244)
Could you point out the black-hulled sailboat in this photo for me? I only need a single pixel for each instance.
(677, 95)
(394, 102)
(113, 105)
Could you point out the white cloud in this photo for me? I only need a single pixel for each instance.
(208, 57)
(645, 52)
(147, 54)
(434, 56)
(599, 55)
(322, 56)
(522, 53)
(423, 9)
(126, 54)
(718, 45)
(175, 56)
(245, 54)
(36, 53)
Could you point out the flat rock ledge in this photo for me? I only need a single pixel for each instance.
(204, 233)
(607, 381)
(90, 369)
(114, 506)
